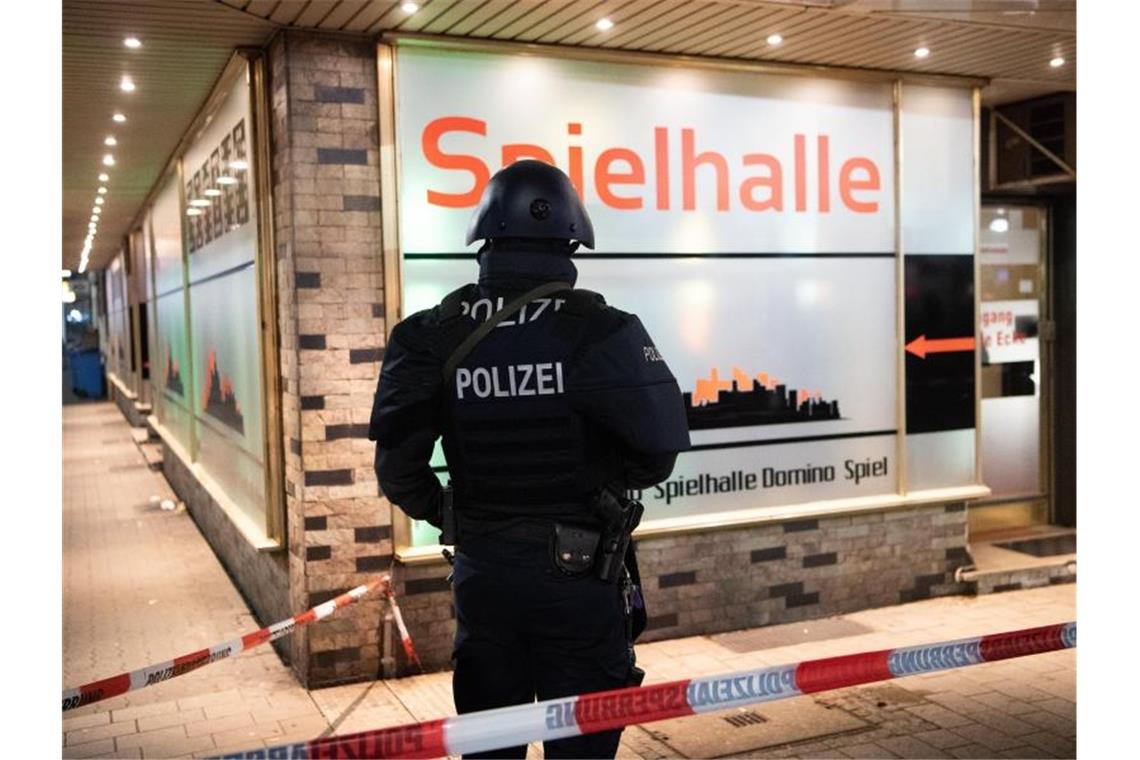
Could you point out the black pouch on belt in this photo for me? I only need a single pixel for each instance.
(574, 549)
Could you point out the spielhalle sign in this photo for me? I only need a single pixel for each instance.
(749, 220)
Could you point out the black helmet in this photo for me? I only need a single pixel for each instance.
(530, 199)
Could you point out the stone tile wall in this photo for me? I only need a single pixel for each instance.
(326, 195)
(726, 580)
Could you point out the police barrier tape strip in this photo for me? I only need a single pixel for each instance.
(163, 671)
(405, 637)
(605, 710)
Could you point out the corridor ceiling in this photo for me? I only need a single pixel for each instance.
(186, 43)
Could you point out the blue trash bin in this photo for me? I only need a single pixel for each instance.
(87, 373)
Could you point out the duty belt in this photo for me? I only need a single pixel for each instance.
(529, 532)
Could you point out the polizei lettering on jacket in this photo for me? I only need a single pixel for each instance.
(706, 693)
(903, 662)
(514, 380)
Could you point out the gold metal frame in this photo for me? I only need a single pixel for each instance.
(186, 312)
(387, 65)
(269, 342)
(391, 259)
(977, 171)
(900, 295)
(134, 298)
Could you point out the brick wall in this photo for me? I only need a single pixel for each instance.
(802, 569)
(326, 187)
(725, 580)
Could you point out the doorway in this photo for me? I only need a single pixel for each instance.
(1015, 333)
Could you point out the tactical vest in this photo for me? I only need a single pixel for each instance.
(514, 445)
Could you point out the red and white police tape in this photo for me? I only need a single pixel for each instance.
(405, 637)
(152, 674)
(605, 710)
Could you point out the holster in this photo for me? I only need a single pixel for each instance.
(448, 529)
(619, 516)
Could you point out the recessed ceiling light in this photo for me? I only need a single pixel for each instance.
(108, 160)
(193, 212)
(604, 24)
(94, 218)
(119, 118)
(99, 201)
(239, 165)
(104, 177)
(775, 39)
(102, 190)
(1057, 62)
(96, 210)
(225, 179)
(127, 84)
(211, 192)
(1001, 224)
(66, 273)
(132, 42)
(409, 7)
(110, 141)
(200, 202)
(921, 52)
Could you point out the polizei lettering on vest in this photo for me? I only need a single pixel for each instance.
(512, 381)
(482, 310)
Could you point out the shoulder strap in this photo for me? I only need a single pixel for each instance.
(483, 330)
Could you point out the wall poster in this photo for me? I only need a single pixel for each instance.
(219, 214)
(119, 337)
(171, 378)
(748, 219)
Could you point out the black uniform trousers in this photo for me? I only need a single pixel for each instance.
(525, 630)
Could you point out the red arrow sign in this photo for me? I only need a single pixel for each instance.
(921, 346)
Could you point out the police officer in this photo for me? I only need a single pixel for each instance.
(538, 413)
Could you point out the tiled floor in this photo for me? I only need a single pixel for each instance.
(141, 585)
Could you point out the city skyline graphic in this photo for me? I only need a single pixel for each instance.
(218, 399)
(173, 376)
(745, 400)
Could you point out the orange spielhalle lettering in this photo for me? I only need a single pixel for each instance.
(461, 161)
(604, 177)
(774, 183)
(689, 164)
(800, 165)
(857, 177)
(848, 184)
(824, 174)
(661, 162)
(575, 153)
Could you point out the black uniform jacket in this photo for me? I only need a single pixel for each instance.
(545, 410)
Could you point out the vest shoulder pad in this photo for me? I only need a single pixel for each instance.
(451, 307)
(581, 302)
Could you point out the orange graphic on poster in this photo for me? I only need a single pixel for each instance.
(760, 399)
(218, 399)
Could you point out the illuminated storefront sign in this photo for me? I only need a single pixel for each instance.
(749, 220)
